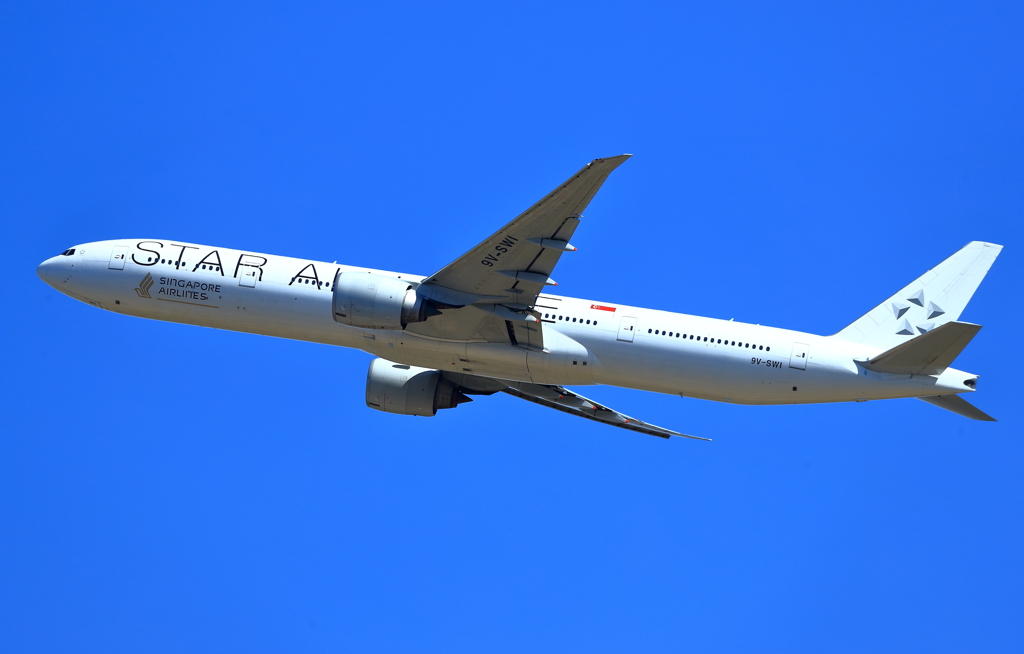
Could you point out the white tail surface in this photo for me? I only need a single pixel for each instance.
(933, 299)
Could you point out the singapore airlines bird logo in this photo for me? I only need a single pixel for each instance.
(144, 286)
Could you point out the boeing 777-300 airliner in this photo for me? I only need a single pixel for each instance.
(485, 323)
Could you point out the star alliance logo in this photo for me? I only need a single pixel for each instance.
(144, 286)
(931, 312)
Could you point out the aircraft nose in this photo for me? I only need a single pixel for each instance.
(47, 270)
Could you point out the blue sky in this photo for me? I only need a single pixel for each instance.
(173, 488)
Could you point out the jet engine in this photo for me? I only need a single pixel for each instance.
(372, 301)
(408, 390)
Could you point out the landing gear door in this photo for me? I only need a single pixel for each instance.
(627, 327)
(247, 276)
(117, 257)
(798, 359)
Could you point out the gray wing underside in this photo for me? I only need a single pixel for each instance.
(555, 216)
(561, 399)
(492, 289)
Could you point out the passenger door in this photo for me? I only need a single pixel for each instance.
(798, 359)
(117, 257)
(627, 327)
(247, 276)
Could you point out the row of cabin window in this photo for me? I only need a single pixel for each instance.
(324, 284)
(727, 342)
(184, 264)
(567, 319)
(217, 269)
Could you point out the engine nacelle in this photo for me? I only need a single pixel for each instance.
(408, 390)
(372, 301)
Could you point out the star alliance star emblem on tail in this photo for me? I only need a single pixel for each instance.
(144, 286)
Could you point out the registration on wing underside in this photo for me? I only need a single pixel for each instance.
(501, 248)
(529, 246)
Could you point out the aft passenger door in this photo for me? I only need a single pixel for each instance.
(627, 327)
(798, 359)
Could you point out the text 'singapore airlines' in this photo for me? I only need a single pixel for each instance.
(486, 323)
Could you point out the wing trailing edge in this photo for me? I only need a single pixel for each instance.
(561, 399)
(577, 405)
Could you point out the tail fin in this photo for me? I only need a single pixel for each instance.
(933, 299)
(957, 404)
(927, 354)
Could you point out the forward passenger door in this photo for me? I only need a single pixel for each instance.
(117, 257)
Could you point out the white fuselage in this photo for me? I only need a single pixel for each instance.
(620, 345)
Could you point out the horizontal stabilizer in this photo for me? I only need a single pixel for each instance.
(928, 354)
(957, 404)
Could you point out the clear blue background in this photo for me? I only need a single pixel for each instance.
(166, 488)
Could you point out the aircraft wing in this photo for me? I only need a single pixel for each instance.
(560, 399)
(577, 405)
(503, 275)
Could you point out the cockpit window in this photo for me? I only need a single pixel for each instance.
(67, 253)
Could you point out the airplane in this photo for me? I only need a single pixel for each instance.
(487, 323)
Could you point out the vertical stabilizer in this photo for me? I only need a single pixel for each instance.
(933, 299)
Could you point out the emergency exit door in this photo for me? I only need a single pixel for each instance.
(627, 327)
